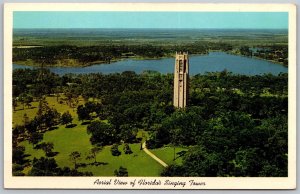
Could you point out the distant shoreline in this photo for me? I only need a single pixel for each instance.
(78, 64)
(255, 57)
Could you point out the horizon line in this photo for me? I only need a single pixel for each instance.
(169, 28)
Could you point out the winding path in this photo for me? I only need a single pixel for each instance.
(153, 156)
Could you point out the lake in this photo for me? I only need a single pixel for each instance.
(213, 62)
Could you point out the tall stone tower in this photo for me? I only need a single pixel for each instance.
(181, 80)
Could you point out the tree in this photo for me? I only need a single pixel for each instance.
(28, 99)
(66, 118)
(93, 153)
(25, 119)
(22, 99)
(18, 155)
(44, 167)
(66, 171)
(47, 147)
(173, 171)
(122, 172)
(17, 170)
(57, 91)
(83, 113)
(46, 117)
(74, 157)
(174, 141)
(15, 104)
(127, 149)
(198, 162)
(269, 170)
(18, 133)
(102, 133)
(35, 138)
(32, 126)
(245, 50)
(69, 96)
(49, 167)
(115, 150)
(51, 118)
(128, 133)
(248, 162)
(42, 107)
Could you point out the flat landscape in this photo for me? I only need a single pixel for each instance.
(78, 47)
(94, 124)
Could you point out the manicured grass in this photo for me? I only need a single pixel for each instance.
(166, 154)
(67, 140)
(138, 163)
(18, 115)
(32, 152)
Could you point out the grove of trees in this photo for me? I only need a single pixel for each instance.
(235, 125)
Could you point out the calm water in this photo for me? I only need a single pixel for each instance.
(213, 62)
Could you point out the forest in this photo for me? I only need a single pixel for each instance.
(234, 125)
(106, 53)
(71, 55)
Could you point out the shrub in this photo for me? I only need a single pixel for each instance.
(115, 150)
(121, 172)
(127, 149)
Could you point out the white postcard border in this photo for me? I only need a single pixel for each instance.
(91, 182)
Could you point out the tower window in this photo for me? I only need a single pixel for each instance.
(180, 66)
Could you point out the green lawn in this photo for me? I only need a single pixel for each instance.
(138, 163)
(166, 154)
(67, 140)
(18, 114)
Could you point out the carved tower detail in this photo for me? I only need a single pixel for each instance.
(181, 80)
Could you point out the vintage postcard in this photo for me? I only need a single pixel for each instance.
(150, 96)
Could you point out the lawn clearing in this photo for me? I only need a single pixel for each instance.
(18, 114)
(138, 163)
(166, 154)
(67, 140)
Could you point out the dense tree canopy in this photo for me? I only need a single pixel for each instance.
(102, 133)
(49, 167)
(235, 125)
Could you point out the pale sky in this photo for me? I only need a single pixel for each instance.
(109, 19)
